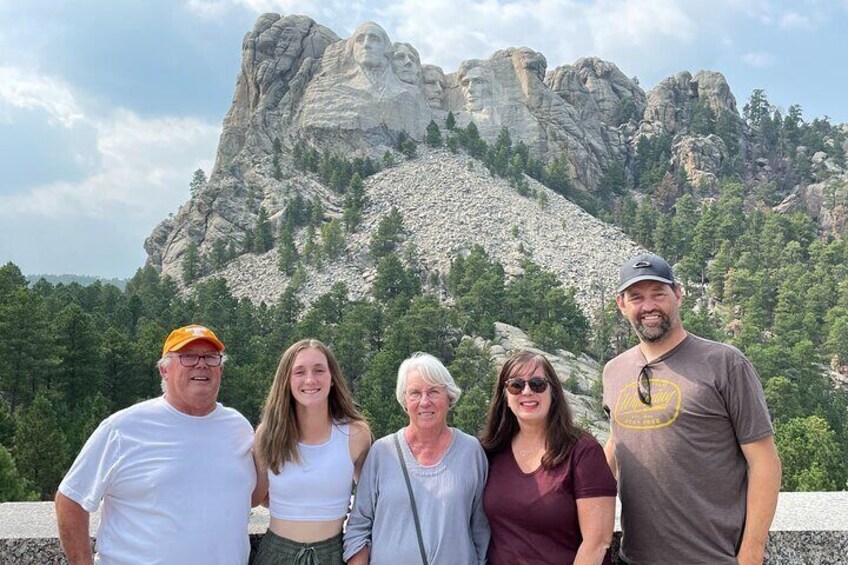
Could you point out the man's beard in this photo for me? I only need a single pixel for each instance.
(653, 334)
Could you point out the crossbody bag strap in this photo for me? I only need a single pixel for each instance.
(411, 500)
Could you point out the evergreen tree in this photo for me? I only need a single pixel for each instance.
(354, 203)
(450, 122)
(557, 177)
(287, 255)
(393, 280)
(78, 340)
(434, 135)
(703, 120)
(13, 487)
(27, 351)
(263, 233)
(613, 182)
(198, 181)
(332, 239)
(121, 369)
(389, 235)
(409, 148)
(40, 447)
(220, 254)
(810, 455)
(191, 264)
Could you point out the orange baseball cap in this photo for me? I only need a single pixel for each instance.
(181, 337)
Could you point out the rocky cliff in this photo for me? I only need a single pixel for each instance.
(301, 85)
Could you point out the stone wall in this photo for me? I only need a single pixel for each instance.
(809, 529)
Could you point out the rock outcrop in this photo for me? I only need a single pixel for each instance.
(701, 158)
(449, 204)
(300, 85)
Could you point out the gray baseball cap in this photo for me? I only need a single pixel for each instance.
(645, 267)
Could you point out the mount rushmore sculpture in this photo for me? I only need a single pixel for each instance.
(300, 82)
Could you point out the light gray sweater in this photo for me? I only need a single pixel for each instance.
(449, 497)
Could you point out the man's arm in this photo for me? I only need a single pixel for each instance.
(609, 451)
(73, 530)
(763, 487)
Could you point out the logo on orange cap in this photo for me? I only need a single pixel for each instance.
(181, 337)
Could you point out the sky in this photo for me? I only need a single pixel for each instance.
(108, 106)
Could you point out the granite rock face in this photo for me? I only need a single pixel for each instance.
(449, 204)
(670, 102)
(826, 202)
(302, 85)
(701, 157)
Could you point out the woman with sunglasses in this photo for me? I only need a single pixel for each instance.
(309, 450)
(550, 496)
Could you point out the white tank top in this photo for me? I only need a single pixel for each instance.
(319, 487)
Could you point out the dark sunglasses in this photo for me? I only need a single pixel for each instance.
(643, 386)
(537, 384)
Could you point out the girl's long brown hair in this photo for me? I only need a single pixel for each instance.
(501, 424)
(278, 434)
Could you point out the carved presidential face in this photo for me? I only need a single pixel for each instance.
(533, 61)
(476, 88)
(433, 85)
(370, 46)
(406, 63)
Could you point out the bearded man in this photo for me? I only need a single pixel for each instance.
(691, 441)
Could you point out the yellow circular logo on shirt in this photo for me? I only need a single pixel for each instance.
(630, 412)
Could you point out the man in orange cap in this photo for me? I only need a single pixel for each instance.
(175, 473)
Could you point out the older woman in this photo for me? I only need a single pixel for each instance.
(440, 468)
(550, 496)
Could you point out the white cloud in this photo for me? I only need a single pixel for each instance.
(145, 168)
(30, 91)
(794, 20)
(758, 59)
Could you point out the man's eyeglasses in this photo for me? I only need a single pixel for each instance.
(433, 394)
(643, 386)
(192, 359)
(537, 384)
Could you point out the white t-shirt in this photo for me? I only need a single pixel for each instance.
(175, 488)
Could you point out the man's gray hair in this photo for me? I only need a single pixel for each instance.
(433, 372)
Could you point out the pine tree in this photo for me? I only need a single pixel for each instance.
(389, 235)
(27, 351)
(450, 122)
(355, 202)
(287, 255)
(78, 341)
(198, 181)
(13, 487)
(40, 447)
(332, 239)
(263, 234)
(191, 264)
(434, 135)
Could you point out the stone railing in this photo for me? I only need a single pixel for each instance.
(809, 529)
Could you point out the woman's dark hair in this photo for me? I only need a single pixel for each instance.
(501, 424)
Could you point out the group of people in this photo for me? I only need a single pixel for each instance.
(691, 456)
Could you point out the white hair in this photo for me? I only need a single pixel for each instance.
(433, 372)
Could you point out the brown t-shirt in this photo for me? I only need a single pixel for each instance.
(682, 475)
(533, 516)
